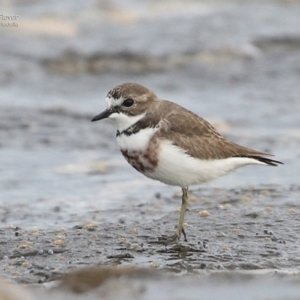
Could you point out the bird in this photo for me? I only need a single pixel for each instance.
(169, 143)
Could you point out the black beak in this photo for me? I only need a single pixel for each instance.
(105, 114)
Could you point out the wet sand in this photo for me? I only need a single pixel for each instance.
(248, 239)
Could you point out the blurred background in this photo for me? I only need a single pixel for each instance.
(235, 63)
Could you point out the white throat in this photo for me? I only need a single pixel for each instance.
(123, 121)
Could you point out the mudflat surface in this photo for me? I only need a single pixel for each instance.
(68, 199)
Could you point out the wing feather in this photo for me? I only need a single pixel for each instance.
(199, 138)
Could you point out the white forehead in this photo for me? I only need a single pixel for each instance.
(113, 102)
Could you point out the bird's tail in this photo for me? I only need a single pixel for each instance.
(267, 161)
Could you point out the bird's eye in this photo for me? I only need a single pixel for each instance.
(128, 102)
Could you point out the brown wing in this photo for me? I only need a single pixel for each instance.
(199, 138)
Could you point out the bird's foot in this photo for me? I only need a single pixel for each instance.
(184, 234)
(169, 240)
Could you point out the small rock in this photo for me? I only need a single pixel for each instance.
(203, 214)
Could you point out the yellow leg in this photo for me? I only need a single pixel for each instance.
(184, 204)
(175, 238)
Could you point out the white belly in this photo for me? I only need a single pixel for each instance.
(177, 168)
